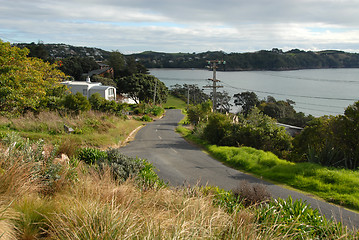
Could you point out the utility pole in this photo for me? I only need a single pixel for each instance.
(189, 86)
(154, 96)
(214, 80)
(188, 95)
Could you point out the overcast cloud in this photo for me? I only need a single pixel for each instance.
(184, 25)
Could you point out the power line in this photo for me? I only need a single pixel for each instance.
(319, 105)
(293, 95)
(318, 110)
(308, 79)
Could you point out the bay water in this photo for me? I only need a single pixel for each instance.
(316, 91)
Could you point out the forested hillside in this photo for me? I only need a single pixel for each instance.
(274, 59)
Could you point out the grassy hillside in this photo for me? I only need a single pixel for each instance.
(90, 129)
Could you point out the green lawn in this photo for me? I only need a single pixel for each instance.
(174, 102)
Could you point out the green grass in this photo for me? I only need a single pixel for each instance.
(338, 186)
(174, 102)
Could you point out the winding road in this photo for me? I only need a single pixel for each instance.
(181, 163)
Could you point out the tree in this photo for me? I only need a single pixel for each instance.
(196, 95)
(247, 100)
(117, 62)
(332, 141)
(284, 112)
(141, 87)
(24, 81)
(38, 50)
(77, 66)
(223, 100)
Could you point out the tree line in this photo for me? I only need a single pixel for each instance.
(274, 59)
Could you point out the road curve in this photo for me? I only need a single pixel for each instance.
(179, 163)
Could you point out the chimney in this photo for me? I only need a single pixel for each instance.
(88, 80)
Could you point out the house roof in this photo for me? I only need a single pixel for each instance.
(100, 87)
(81, 83)
(98, 71)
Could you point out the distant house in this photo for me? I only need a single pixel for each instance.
(88, 88)
(291, 130)
(104, 71)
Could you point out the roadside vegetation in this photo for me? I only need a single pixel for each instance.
(102, 194)
(321, 160)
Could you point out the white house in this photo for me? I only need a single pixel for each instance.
(88, 88)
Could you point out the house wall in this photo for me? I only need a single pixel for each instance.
(88, 89)
(83, 89)
(105, 93)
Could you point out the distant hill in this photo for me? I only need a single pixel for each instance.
(63, 51)
(274, 59)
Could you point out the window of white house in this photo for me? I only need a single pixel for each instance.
(111, 92)
(84, 92)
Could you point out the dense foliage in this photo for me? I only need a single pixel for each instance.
(77, 66)
(329, 141)
(282, 111)
(24, 81)
(332, 141)
(143, 88)
(255, 130)
(189, 93)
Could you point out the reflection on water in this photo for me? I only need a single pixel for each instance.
(316, 91)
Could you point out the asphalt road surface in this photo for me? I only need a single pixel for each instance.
(181, 163)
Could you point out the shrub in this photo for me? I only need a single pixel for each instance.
(146, 118)
(251, 194)
(122, 166)
(157, 111)
(217, 128)
(91, 155)
(77, 103)
(96, 101)
(257, 131)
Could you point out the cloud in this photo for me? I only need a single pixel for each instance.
(187, 26)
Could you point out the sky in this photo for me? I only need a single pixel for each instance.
(132, 26)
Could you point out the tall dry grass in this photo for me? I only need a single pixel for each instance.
(97, 207)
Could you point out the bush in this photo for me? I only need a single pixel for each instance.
(257, 131)
(96, 101)
(122, 166)
(157, 111)
(217, 128)
(251, 194)
(332, 141)
(91, 155)
(146, 118)
(77, 103)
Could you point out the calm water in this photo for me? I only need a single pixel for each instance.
(317, 92)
